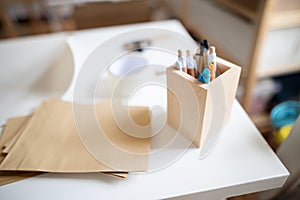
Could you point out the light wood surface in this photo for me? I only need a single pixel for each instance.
(285, 19)
(261, 29)
(191, 104)
(186, 104)
(244, 8)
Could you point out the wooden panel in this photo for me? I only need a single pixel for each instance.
(280, 53)
(285, 19)
(286, 5)
(223, 29)
(186, 103)
(247, 9)
(261, 28)
(230, 79)
(108, 13)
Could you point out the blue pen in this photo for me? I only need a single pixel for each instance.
(204, 77)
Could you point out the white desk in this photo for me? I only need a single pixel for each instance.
(241, 162)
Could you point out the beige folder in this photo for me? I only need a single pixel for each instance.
(9, 132)
(14, 126)
(27, 147)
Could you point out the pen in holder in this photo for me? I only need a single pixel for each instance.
(192, 104)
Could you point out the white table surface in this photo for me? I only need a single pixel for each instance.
(240, 163)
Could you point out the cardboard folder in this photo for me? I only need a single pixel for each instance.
(48, 141)
(9, 133)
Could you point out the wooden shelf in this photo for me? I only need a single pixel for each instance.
(248, 11)
(259, 35)
(262, 121)
(285, 19)
(276, 71)
(285, 14)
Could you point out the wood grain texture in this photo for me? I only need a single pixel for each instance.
(190, 103)
(261, 28)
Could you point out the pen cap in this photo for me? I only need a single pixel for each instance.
(212, 60)
(205, 55)
(179, 53)
(212, 50)
(188, 53)
(189, 60)
(206, 44)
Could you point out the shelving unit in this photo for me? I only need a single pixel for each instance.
(284, 13)
(33, 17)
(262, 36)
(280, 52)
(247, 9)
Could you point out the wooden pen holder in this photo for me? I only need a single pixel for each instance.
(192, 104)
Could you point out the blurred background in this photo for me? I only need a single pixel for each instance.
(262, 36)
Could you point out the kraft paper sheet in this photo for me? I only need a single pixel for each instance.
(47, 141)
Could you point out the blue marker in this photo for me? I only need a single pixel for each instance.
(204, 77)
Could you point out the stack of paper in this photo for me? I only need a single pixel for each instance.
(48, 141)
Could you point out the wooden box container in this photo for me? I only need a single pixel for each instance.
(194, 107)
